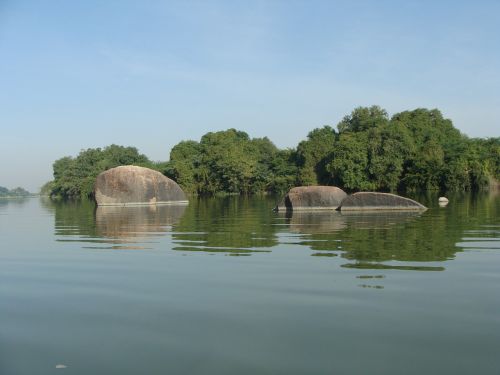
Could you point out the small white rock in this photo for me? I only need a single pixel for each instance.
(61, 366)
(443, 200)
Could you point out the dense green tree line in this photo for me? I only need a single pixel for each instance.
(75, 177)
(230, 162)
(410, 151)
(16, 192)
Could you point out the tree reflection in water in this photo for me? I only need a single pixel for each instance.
(113, 227)
(373, 239)
(245, 225)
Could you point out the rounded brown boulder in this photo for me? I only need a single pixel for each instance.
(312, 198)
(132, 185)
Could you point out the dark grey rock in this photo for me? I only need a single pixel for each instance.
(132, 185)
(312, 198)
(378, 201)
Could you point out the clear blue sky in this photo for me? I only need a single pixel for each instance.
(80, 74)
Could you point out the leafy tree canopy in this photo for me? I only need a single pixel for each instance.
(230, 162)
(75, 177)
(410, 151)
(16, 192)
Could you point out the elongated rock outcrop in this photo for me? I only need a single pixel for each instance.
(132, 185)
(312, 198)
(378, 201)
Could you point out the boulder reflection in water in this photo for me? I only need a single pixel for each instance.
(315, 221)
(376, 236)
(127, 222)
(378, 219)
(333, 221)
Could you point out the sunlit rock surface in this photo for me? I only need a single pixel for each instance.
(312, 198)
(378, 201)
(132, 185)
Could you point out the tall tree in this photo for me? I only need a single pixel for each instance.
(313, 155)
(362, 119)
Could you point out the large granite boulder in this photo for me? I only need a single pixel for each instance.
(132, 185)
(378, 201)
(312, 198)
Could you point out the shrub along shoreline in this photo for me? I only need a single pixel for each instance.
(411, 151)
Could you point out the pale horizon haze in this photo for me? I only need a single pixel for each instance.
(83, 74)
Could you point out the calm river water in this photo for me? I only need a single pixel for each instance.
(226, 286)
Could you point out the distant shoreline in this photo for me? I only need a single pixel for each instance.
(19, 196)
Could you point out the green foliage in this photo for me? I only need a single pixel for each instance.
(232, 163)
(349, 164)
(282, 171)
(487, 153)
(75, 177)
(228, 160)
(313, 154)
(415, 150)
(441, 158)
(16, 192)
(46, 189)
(389, 147)
(363, 119)
(185, 157)
(370, 151)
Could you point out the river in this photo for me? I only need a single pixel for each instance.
(226, 286)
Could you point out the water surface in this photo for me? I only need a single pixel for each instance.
(226, 286)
